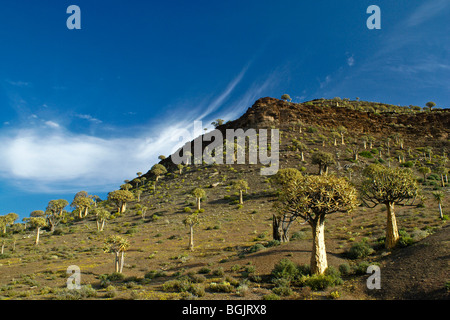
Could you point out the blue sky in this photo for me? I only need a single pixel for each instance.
(86, 109)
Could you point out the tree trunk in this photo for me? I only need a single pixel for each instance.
(3, 248)
(198, 204)
(123, 207)
(442, 181)
(191, 238)
(103, 225)
(122, 260)
(241, 199)
(392, 236)
(319, 255)
(302, 155)
(441, 215)
(280, 228)
(342, 139)
(98, 226)
(37, 236)
(116, 261)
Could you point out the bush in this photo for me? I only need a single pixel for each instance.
(272, 243)
(408, 164)
(319, 282)
(271, 296)
(255, 248)
(366, 154)
(360, 250)
(361, 268)
(285, 269)
(221, 287)
(204, 270)
(187, 210)
(405, 239)
(345, 269)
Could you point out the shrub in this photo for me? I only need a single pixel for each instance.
(111, 292)
(187, 210)
(408, 164)
(405, 239)
(345, 269)
(360, 250)
(366, 154)
(154, 274)
(319, 282)
(221, 287)
(272, 243)
(285, 269)
(204, 270)
(361, 268)
(271, 296)
(218, 272)
(255, 248)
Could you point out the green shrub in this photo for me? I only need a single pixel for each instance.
(204, 270)
(221, 287)
(360, 250)
(404, 239)
(285, 269)
(366, 154)
(345, 269)
(271, 296)
(218, 272)
(361, 268)
(187, 210)
(272, 243)
(319, 282)
(255, 248)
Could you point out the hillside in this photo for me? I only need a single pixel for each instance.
(234, 255)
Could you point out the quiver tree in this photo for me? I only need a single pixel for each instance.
(430, 104)
(323, 159)
(7, 220)
(286, 97)
(121, 198)
(101, 216)
(117, 245)
(282, 220)
(198, 193)
(342, 131)
(300, 147)
(191, 221)
(217, 123)
(424, 171)
(57, 206)
(158, 170)
(37, 223)
(313, 198)
(241, 186)
(388, 186)
(180, 168)
(439, 196)
(54, 212)
(82, 203)
(442, 171)
(138, 195)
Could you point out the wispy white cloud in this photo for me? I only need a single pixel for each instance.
(19, 83)
(426, 11)
(47, 157)
(89, 118)
(350, 61)
(51, 124)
